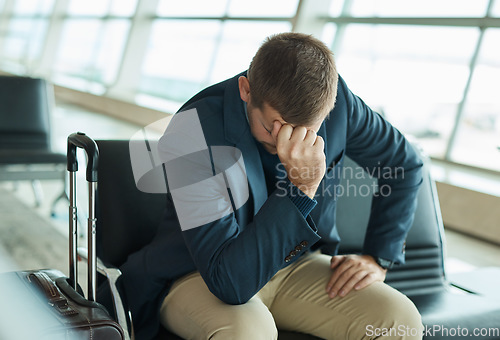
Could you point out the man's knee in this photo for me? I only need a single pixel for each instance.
(399, 317)
(247, 326)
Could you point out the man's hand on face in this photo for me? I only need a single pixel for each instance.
(302, 154)
(353, 271)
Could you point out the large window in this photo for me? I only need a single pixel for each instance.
(90, 52)
(92, 41)
(430, 67)
(179, 57)
(208, 51)
(101, 8)
(197, 43)
(420, 8)
(478, 138)
(414, 75)
(25, 33)
(495, 11)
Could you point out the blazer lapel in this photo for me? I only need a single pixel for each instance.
(322, 133)
(237, 132)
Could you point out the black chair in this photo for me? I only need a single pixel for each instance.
(423, 279)
(25, 146)
(128, 219)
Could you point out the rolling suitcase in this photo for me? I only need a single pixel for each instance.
(52, 301)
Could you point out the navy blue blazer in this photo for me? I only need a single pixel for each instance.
(237, 254)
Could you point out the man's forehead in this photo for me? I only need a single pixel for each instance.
(270, 114)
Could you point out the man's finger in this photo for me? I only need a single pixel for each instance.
(365, 282)
(284, 134)
(336, 260)
(320, 143)
(299, 134)
(352, 282)
(310, 137)
(337, 273)
(338, 281)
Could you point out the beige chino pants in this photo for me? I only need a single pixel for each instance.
(294, 299)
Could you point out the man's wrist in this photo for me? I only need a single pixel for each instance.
(304, 203)
(307, 190)
(383, 263)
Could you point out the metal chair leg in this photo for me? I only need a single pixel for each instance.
(62, 195)
(37, 191)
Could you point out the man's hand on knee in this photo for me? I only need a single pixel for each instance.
(353, 271)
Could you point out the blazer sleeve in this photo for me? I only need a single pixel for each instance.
(382, 150)
(235, 260)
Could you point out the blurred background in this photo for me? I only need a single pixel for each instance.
(432, 68)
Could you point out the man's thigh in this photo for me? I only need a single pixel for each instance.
(191, 311)
(302, 304)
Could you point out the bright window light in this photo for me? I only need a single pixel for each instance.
(336, 8)
(421, 8)
(478, 138)
(328, 34)
(240, 40)
(33, 7)
(101, 8)
(262, 8)
(192, 8)
(495, 11)
(25, 39)
(414, 75)
(179, 57)
(88, 7)
(125, 8)
(91, 49)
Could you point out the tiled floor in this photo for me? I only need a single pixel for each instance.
(463, 253)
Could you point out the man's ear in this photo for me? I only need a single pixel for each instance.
(244, 87)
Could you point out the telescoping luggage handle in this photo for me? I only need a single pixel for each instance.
(83, 141)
